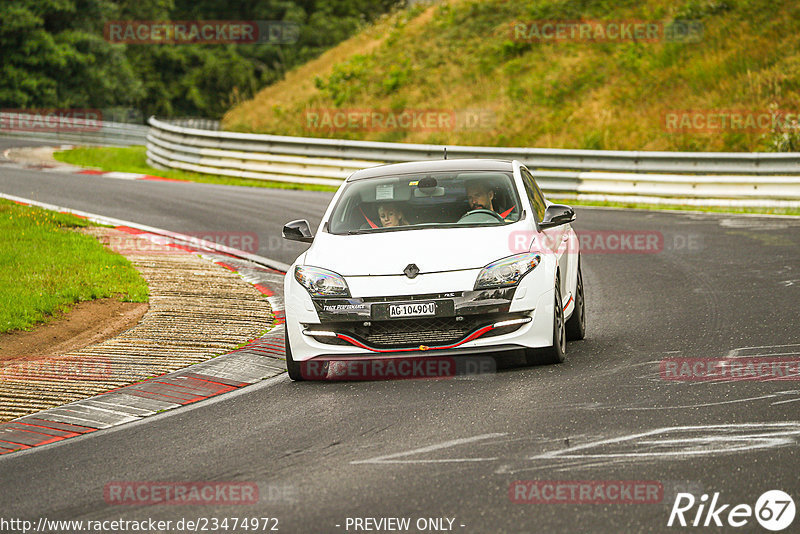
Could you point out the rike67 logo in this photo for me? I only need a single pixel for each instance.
(774, 510)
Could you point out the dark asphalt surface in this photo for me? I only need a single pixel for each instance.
(722, 285)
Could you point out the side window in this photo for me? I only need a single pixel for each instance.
(534, 194)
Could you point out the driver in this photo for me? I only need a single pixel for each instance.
(480, 196)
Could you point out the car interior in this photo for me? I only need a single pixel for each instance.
(422, 199)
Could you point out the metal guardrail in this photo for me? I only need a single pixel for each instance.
(104, 133)
(193, 122)
(767, 179)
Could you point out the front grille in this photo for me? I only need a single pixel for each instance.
(408, 333)
(430, 331)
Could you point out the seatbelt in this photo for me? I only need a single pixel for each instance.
(509, 210)
(371, 224)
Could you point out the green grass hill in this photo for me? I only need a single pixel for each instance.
(461, 58)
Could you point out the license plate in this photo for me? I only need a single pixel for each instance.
(412, 310)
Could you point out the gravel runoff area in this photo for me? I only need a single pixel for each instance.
(199, 309)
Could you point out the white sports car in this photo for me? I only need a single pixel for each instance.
(431, 258)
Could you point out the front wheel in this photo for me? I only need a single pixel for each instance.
(292, 366)
(576, 326)
(557, 352)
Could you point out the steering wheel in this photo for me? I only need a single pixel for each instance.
(481, 212)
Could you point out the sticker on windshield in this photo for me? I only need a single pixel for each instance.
(384, 192)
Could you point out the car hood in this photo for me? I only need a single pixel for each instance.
(432, 250)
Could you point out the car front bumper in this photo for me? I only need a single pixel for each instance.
(464, 321)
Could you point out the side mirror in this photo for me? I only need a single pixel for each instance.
(556, 215)
(298, 231)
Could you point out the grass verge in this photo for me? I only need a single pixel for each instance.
(134, 159)
(45, 266)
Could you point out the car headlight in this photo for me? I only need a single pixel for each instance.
(507, 272)
(321, 282)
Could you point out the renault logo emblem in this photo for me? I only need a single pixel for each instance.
(411, 271)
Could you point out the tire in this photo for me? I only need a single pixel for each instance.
(557, 352)
(292, 366)
(576, 325)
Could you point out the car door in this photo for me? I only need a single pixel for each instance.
(556, 240)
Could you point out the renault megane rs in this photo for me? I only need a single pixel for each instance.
(445, 258)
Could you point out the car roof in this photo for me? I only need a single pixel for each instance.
(441, 165)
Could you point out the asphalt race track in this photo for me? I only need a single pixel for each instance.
(323, 452)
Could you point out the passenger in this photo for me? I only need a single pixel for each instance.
(391, 215)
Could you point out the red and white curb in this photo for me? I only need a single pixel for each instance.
(126, 175)
(261, 358)
(73, 169)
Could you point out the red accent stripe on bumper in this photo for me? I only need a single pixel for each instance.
(476, 334)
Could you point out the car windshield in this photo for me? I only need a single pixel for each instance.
(429, 200)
